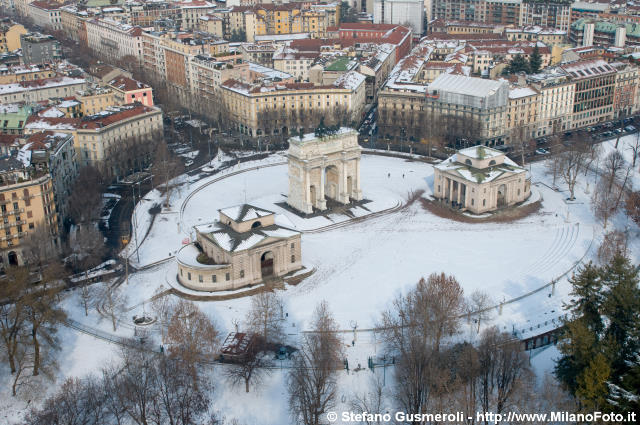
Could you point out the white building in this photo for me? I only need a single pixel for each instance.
(114, 40)
(400, 12)
(45, 14)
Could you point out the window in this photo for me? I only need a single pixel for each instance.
(189, 275)
(241, 273)
(293, 258)
(214, 278)
(484, 202)
(15, 206)
(227, 276)
(471, 201)
(293, 245)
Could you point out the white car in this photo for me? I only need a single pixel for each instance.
(541, 151)
(188, 163)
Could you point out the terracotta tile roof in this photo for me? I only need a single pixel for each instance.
(127, 84)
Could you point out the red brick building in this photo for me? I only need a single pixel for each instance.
(375, 33)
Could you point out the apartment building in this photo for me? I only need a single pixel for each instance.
(40, 48)
(26, 202)
(13, 117)
(114, 40)
(96, 135)
(625, 92)
(522, 111)
(595, 82)
(56, 153)
(14, 74)
(45, 13)
(127, 90)
(555, 101)
(516, 13)
(277, 108)
(354, 32)
(95, 99)
(400, 12)
(39, 90)
(10, 36)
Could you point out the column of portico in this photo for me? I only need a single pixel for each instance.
(307, 190)
(459, 193)
(357, 191)
(343, 196)
(321, 203)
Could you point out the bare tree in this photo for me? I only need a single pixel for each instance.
(504, 366)
(635, 149)
(445, 304)
(570, 163)
(43, 316)
(13, 314)
(614, 166)
(264, 318)
(191, 335)
(85, 201)
(165, 167)
(604, 201)
(614, 243)
(163, 308)
(479, 304)
(371, 402)
(413, 331)
(114, 302)
(179, 400)
(312, 381)
(632, 206)
(88, 249)
(249, 369)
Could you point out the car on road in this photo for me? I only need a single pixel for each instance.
(542, 151)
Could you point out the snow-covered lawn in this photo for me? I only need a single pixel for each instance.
(362, 266)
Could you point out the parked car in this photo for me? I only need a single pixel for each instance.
(630, 129)
(607, 134)
(608, 125)
(617, 131)
(188, 163)
(541, 141)
(541, 151)
(627, 120)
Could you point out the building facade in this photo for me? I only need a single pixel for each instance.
(480, 179)
(244, 247)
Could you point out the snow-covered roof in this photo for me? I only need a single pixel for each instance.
(230, 240)
(501, 167)
(461, 84)
(520, 92)
(245, 212)
(350, 80)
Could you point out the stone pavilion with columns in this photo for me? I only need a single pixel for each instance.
(324, 167)
(480, 179)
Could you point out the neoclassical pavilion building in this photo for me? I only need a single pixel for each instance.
(480, 179)
(244, 247)
(321, 167)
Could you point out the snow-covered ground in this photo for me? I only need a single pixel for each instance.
(505, 260)
(361, 267)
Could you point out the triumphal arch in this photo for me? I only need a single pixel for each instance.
(324, 165)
